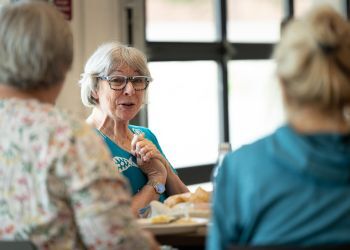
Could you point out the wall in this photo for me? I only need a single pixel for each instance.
(93, 22)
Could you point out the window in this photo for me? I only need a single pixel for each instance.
(168, 20)
(183, 111)
(214, 79)
(255, 102)
(301, 6)
(245, 25)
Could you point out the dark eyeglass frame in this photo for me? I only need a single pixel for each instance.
(127, 79)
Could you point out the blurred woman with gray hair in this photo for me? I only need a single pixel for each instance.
(58, 188)
(114, 85)
(293, 187)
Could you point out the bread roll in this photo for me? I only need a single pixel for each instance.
(177, 198)
(199, 196)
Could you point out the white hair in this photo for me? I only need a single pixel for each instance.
(107, 58)
(36, 45)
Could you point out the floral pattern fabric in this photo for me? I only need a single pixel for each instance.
(58, 186)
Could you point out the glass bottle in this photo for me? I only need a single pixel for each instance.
(224, 148)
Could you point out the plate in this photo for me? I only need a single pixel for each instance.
(173, 227)
(200, 209)
(193, 213)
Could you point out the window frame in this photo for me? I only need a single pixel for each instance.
(221, 51)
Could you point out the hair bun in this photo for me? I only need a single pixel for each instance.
(327, 28)
(312, 61)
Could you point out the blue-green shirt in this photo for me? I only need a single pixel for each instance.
(126, 162)
(286, 188)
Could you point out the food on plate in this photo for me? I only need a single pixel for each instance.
(199, 209)
(185, 220)
(158, 208)
(177, 198)
(199, 196)
(195, 204)
(191, 206)
(162, 219)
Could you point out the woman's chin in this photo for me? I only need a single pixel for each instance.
(126, 117)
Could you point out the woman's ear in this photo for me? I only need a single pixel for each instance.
(94, 97)
(94, 94)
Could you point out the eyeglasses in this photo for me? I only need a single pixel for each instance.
(119, 82)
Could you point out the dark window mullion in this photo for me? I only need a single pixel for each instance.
(221, 24)
(346, 6)
(195, 174)
(183, 51)
(288, 8)
(187, 51)
(288, 11)
(250, 51)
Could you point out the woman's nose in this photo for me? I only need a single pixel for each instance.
(129, 89)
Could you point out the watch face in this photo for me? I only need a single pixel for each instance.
(160, 188)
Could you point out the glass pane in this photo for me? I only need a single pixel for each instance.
(255, 102)
(254, 21)
(302, 6)
(180, 20)
(183, 111)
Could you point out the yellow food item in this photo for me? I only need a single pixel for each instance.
(177, 198)
(161, 219)
(200, 195)
(185, 220)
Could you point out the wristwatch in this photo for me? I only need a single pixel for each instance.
(158, 187)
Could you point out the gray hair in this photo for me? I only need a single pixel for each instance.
(36, 45)
(107, 58)
(313, 61)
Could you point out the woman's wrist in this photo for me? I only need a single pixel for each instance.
(165, 163)
(160, 179)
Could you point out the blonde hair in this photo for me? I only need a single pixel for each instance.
(107, 58)
(313, 61)
(36, 45)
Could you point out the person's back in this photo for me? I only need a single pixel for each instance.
(293, 186)
(49, 161)
(59, 188)
(285, 189)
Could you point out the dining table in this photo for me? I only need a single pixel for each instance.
(182, 226)
(184, 241)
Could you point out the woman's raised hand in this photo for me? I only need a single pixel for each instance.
(144, 149)
(148, 158)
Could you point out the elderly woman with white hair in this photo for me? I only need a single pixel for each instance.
(114, 85)
(59, 189)
(293, 186)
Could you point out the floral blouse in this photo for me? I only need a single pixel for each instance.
(57, 185)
